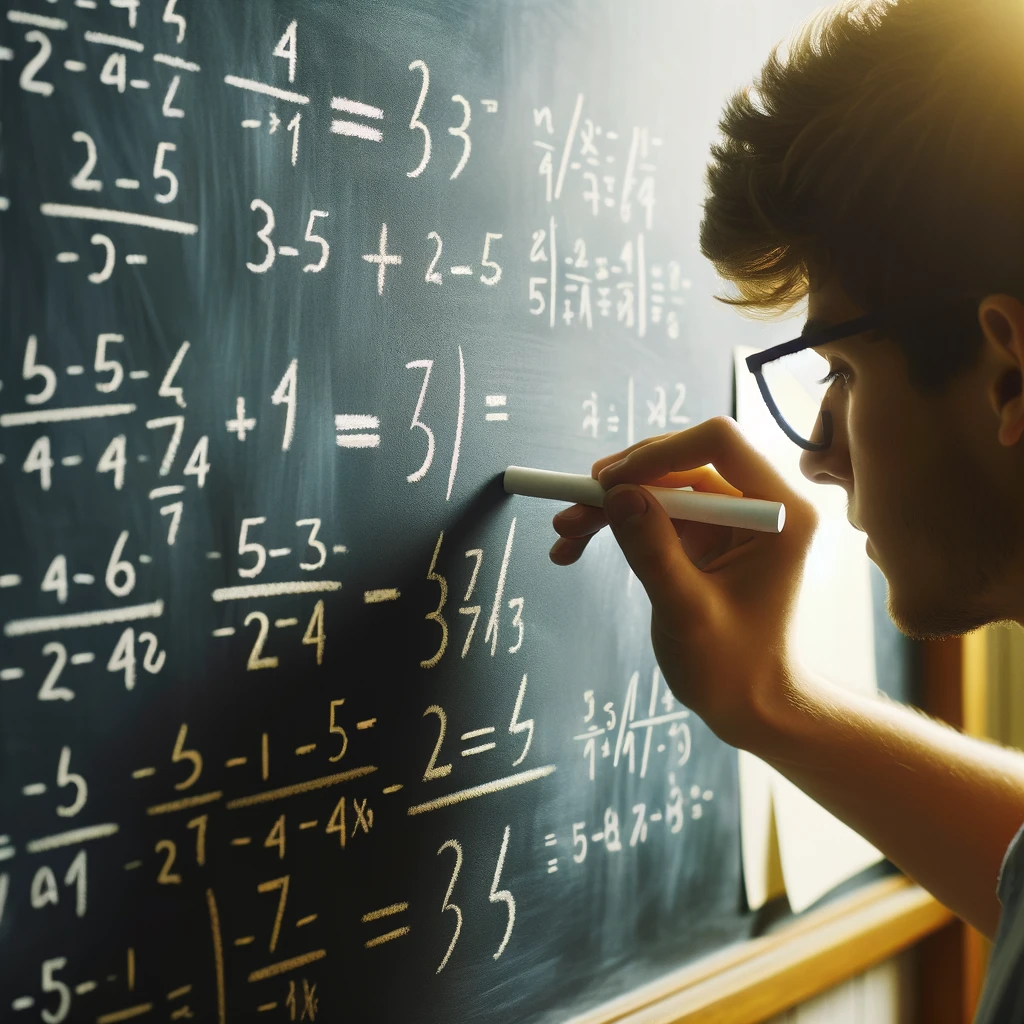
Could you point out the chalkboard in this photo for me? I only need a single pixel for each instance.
(298, 720)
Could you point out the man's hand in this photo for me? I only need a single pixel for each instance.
(721, 597)
(941, 806)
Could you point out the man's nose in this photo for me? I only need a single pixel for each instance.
(821, 466)
(811, 465)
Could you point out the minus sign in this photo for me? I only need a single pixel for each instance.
(458, 271)
(251, 123)
(287, 250)
(597, 837)
(224, 631)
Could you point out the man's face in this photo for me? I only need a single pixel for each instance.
(940, 498)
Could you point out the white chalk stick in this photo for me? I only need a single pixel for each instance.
(679, 503)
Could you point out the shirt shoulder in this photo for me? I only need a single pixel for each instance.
(1002, 998)
(1010, 873)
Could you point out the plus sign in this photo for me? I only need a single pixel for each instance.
(382, 258)
(240, 425)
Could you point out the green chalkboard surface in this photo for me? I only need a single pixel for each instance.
(297, 720)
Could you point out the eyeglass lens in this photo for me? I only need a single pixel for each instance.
(797, 384)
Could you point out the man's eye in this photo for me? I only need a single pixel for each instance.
(834, 375)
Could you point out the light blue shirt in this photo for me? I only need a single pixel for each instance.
(1002, 999)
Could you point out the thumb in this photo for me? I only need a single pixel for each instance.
(651, 545)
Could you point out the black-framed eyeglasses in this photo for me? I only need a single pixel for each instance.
(794, 381)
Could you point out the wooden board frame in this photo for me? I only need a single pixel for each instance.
(754, 980)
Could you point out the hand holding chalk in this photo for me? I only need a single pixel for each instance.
(722, 599)
(679, 503)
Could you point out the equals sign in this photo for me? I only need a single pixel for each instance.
(353, 421)
(550, 839)
(356, 129)
(552, 865)
(377, 915)
(475, 734)
(496, 402)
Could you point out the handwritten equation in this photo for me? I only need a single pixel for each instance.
(275, 692)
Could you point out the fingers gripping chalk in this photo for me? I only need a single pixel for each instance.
(698, 506)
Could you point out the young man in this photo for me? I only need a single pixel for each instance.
(877, 167)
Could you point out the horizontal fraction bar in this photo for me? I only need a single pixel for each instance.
(274, 589)
(142, 220)
(77, 620)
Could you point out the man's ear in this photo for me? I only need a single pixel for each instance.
(1002, 323)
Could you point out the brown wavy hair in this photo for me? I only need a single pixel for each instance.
(884, 143)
